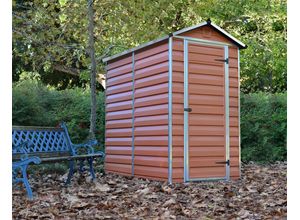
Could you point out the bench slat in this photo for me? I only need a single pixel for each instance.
(42, 155)
(71, 157)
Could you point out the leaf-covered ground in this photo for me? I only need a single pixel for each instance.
(260, 194)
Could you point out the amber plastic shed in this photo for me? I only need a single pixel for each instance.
(172, 107)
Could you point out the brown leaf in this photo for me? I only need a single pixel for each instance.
(169, 202)
(102, 187)
(243, 213)
(166, 189)
(143, 191)
(111, 182)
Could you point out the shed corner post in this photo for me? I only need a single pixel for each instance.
(170, 116)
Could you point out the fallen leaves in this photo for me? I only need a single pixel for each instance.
(143, 191)
(260, 194)
(169, 202)
(102, 187)
(166, 189)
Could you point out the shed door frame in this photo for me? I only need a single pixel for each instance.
(186, 117)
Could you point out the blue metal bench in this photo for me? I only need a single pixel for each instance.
(44, 144)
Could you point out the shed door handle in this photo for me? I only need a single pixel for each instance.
(223, 162)
(187, 109)
(223, 60)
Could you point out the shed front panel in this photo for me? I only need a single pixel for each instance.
(209, 82)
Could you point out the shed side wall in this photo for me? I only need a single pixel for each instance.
(151, 112)
(118, 132)
(150, 118)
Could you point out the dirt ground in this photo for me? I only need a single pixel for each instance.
(260, 194)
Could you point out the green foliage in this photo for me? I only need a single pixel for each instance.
(50, 37)
(35, 104)
(263, 127)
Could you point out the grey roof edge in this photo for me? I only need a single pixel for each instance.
(190, 28)
(135, 48)
(222, 31)
(239, 43)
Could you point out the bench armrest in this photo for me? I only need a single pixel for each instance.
(87, 146)
(21, 148)
(26, 161)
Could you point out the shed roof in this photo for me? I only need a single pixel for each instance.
(206, 23)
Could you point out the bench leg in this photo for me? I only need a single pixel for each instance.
(22, 167)
(71, 171)
(23, 179)
(81, 169)
(26, 183)
(90, 160)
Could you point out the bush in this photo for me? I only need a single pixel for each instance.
(263, 127)
(35, 104)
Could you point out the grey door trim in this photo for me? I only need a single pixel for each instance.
(186, 176)
(185, 114)
(226, 56)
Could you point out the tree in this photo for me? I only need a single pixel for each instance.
(93, 69)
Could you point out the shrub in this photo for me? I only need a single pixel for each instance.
(263, 127)
(35, 104)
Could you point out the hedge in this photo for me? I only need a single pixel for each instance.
(263, 117)
(264, 127)
(34, 104)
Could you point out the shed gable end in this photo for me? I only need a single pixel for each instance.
(207, 33)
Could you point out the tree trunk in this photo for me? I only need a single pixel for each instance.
(93, 69)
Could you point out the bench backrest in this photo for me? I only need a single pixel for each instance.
(41, 139)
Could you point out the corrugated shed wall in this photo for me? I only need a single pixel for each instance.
(150, 119)
(177, 107)
(151, 112)
(118, 132)
(234, 112)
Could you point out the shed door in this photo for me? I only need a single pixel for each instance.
(205, 93)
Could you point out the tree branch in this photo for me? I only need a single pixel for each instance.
(69, 70)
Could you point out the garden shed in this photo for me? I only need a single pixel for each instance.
(172, 107)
